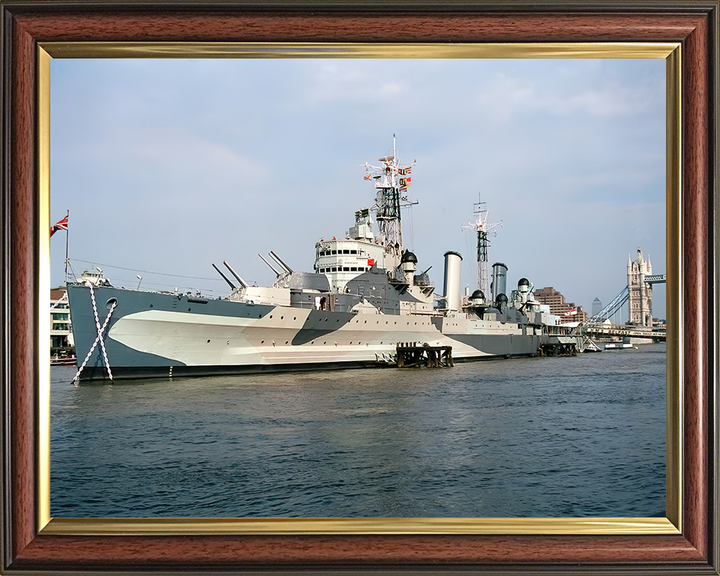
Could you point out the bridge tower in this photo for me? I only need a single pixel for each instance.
(639, 291)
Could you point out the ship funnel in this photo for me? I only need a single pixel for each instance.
(237, 276)
(451, 284)
(499, 282)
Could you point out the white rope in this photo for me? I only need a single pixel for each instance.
(99, 338)
(100, 330)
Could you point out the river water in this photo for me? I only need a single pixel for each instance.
(580, 436)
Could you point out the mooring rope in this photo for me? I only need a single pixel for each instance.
(99, 338)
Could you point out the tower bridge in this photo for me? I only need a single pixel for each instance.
(638, 295)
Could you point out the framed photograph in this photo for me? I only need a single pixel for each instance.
(681, 34)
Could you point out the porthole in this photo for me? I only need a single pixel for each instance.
(151, 306)
(208, 341)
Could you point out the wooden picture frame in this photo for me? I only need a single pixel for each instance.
(29, 547)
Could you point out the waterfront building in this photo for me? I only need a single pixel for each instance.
(567, 311)
(639, 291)
(60, 334)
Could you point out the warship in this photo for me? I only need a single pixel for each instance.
(364, 301)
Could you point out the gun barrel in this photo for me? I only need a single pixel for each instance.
(237, 276)
(270, 265)
(224, 277)
(277, 259)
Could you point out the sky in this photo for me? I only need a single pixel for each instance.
(168, 166)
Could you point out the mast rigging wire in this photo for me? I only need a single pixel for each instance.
(141, 271)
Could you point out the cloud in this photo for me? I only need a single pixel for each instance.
(609, 101)
(509, 95)
(333, 82)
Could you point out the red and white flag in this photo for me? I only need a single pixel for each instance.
(62, 225)
(571, 312)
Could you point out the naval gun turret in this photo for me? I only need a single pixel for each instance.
(291, 288)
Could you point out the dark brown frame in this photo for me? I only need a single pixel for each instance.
(26, 23)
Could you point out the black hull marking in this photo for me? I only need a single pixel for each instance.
(147, 372)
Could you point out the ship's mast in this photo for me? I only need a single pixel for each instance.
(483, 230)
(391, 184)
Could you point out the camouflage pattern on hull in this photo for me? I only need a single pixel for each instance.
(162, 334)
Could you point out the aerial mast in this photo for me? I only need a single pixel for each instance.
(391, 184)
(483, 230)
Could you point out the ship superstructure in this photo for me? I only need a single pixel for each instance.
(344, 259)
(365, 297)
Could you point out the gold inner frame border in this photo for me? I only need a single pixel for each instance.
(671, 524)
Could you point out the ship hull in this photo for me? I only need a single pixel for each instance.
(167, 335)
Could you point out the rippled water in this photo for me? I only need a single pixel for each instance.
(582, 436)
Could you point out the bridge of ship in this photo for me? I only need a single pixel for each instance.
(594, 325)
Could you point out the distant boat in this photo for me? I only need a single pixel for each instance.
(618, 346)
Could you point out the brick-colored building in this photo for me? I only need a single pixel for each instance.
(567, 311)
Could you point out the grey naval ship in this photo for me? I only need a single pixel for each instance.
(364, 300)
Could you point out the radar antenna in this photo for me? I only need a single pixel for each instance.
(483, 230)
